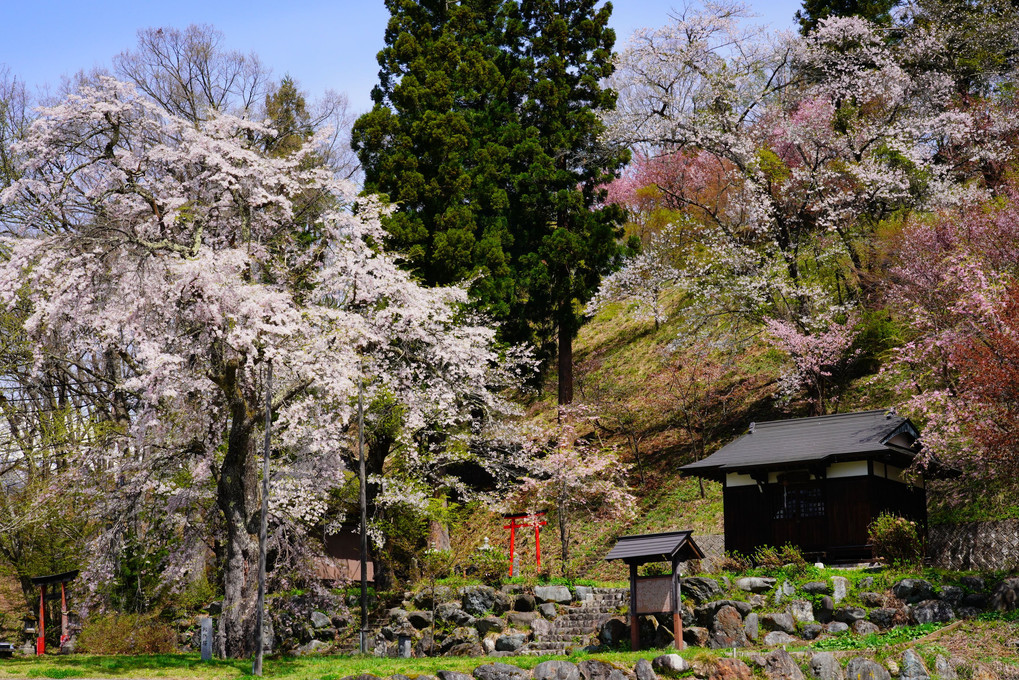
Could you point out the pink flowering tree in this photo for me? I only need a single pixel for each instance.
(167, 262)
(953, 284)
(575, 475)
(801, 146)
(819, 359)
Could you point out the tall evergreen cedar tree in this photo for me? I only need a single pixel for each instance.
(485, 135)
(878, 11)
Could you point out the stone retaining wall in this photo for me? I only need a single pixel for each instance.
(980, 546)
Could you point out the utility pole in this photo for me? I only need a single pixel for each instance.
(256, 668)
(364, 517)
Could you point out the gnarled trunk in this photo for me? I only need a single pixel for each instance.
(239, 502)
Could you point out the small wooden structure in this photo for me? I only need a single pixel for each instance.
(42, 582)
(655, 594)
(522, 522)
(816, 483)
(342, 559)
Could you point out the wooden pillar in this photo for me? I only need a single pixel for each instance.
(40, 642)
(634, 622)
(677, 606)
(513, 534)
(537, 542)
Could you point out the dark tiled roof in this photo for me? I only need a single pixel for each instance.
(655, 548)
(807, 440)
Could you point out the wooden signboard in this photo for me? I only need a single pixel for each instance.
(654, 595)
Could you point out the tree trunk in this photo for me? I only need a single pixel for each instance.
(564, 538)
(238, 501)
(565, 363)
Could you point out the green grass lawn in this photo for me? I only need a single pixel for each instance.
(304, 668)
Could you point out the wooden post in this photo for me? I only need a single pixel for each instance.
(64, 637)
(634, 623)
(40, 642)
(677, 605)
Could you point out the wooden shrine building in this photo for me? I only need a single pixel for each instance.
(655, 594)
(816, 483)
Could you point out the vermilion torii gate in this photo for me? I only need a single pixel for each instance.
(521, 522)
(42, 582)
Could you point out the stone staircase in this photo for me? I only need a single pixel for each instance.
(578, 625)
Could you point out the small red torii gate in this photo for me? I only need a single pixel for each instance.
(527, 520)
(42, 582)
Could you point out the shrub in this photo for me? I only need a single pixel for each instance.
(437, 564)
(489, 565)
(769, 557)
(734, 562)
(126, 634)
(896, 540)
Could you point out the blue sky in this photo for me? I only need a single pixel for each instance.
(323, 44)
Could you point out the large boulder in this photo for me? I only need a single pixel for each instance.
(779, 665)
(524, 602)
(886, 617)
(489, 624)
(727, 629)
(912, 667)
(825, 609)
(453, 675)
(644, 670)
(556, 594)
(755, 584)
(783, 592)
(521, 619)
(726, 669)
(944, 668)
(705, 613)
(932, 611)
(601, 670)
(816, 588)
(696, 636)
(780, 621)
(548, 610)
(613, 632)
(459, 636)
(320, 620)
(862, 668)
(1006, 596)
(699, 588)
(430, 597)
(752, 626)
(669, 664)
(952, 595)
(452, 613)
(850, 615)
(777, 637)
(466, 649)
(556, 670)
(840, 588)
(802, 611)
(824, 666)
(812, 631)
(420, 620)
(836, 627)
(870, 599)
(500, 671)
(477, 600)
(510, 643)
(913, 590)
(863, 627)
